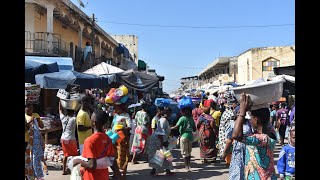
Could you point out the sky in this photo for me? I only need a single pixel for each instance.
(178, 38)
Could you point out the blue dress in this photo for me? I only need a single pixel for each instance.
(236, 169)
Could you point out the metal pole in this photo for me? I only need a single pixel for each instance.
(92, 41)
(234, 72)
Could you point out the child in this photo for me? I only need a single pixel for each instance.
(286, 162)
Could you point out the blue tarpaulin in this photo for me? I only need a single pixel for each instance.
(60, 80)
(64, 63)
(33, 68)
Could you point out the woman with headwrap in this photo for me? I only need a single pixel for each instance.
(259, 159)
(226, 98)
(208, 133)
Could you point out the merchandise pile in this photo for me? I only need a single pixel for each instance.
(32, 93)
(51, 122)
(53, 153)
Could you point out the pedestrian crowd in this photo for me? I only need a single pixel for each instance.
(226, 130)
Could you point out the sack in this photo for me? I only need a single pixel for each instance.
(186, 101)
(75, 173)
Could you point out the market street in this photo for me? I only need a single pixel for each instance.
(142, 170)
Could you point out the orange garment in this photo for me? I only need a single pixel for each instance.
(94, 145)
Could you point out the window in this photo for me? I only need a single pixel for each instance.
(269, 64)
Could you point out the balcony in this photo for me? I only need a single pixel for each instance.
(38, 44)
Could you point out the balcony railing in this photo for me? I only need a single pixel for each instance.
(38, 43)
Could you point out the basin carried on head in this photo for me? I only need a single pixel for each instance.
(262, 94)
(72, 104)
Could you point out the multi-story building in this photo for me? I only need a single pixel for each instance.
(221, 70)
(259, 62)
(60, 28)
(130, 42)
(190, 82)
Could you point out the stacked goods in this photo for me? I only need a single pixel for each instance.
(53, 153)
(117, 96)
(70, 97)
(32, 93)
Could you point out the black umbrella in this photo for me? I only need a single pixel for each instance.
(137, 80)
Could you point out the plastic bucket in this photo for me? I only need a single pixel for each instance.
(122, 91)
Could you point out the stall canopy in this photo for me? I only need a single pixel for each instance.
(32, 68)
(103, 68)
(59, 80)
(137, 80)
(64, 63)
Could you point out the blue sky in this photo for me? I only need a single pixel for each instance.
(180, 52)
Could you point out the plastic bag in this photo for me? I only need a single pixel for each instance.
(157, 159)
(104, 163)
(186, 101)
(168, 155)
(162, 102)
(75, 173)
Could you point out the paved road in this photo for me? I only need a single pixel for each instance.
(216, 171)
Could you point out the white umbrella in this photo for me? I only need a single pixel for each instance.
(103, 68)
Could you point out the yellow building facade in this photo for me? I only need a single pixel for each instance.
(259, 62)
(58, 27)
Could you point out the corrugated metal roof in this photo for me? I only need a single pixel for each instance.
(221, 60)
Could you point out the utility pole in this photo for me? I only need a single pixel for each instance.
(92, 40)
(234, 72)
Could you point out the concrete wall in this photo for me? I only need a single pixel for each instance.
(29, 17)
(243, 70)
(285, 55)
(131, 42)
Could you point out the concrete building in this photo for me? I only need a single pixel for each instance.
(60, 28)
(259, 62)
(131, 42)
(191, 82)
(221, 70)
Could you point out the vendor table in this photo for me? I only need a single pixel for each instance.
(47, 131)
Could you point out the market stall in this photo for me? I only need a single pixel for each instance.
(33, 68)
(60, 80)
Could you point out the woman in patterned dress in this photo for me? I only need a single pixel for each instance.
(34, 150)
(207, 131)
(259, 160)
(141, 133)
